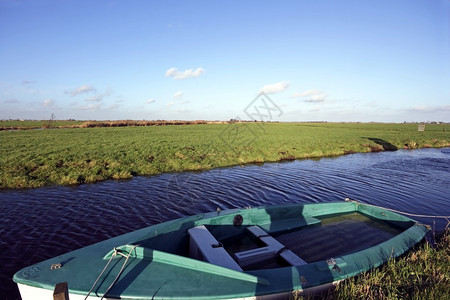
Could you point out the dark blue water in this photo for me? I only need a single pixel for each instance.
(41, 223)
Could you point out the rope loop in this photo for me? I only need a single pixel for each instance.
(114, 254)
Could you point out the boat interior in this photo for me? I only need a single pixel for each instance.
(287, 242)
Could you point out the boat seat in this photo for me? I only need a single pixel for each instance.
(272, 249)
(204, 246)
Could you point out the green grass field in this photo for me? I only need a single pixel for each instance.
(34, 158)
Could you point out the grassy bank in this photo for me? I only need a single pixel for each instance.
(424, 273)
(35, 158)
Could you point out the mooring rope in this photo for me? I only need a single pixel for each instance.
(101, 273)
(114, 254)
(120, 272)
(398, 211)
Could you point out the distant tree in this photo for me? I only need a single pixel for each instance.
(50, 123)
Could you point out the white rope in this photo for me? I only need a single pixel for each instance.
(400, 212)
(120, 272)
(104, 269)
(114, 254)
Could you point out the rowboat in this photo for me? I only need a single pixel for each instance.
(250, 253)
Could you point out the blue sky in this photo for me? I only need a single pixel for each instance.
(342, 60)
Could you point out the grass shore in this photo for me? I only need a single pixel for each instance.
(67, 156)
(423, 273)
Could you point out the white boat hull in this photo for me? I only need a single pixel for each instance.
(34, 293)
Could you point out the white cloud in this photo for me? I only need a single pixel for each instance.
(183, 111)
(190, 73)
(81, 90)
(316, 98)
(11, 101)
(178, 95)
(275, 87)
(48, 102)
(420, 108)
(171, 72)
(99, 97)
(296, 95)
(150, 101)
(306, 93)
(315, 109)
(169, 104)
(312, 96)
(91, 107)
(96, 98)
(428, 109)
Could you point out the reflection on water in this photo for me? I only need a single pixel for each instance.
(41, 223)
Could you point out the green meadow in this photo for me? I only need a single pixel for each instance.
(67, 156)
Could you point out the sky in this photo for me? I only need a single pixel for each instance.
(303, 60)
